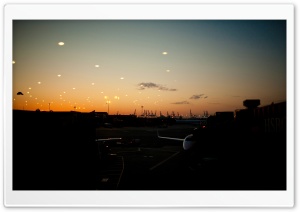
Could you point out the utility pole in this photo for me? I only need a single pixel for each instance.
(107, 102)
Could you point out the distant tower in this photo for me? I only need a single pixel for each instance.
(251, 103)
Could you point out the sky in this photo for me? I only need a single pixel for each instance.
(129, 66)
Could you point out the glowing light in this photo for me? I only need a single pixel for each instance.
(97, 66)
(74, 88)
(29, 88)
(93, 83)
(122, 78)
(61, 43)
(165, 53)
(39, 83)
(13, 62)
(59, 75)
(168, 70)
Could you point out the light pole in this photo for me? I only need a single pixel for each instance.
(107, 102)
(20, 93)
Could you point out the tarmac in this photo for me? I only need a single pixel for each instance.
(157, 164)
(66, 157)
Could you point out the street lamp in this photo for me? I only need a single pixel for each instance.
(107, 102)
(20, 93)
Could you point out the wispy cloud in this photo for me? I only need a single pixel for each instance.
(148, 85)
(181, 103)
(198, 96)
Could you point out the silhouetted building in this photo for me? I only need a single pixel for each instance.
(266, 119)
(221, 120)
(54, 151)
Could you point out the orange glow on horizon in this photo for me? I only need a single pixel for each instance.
(144, 64)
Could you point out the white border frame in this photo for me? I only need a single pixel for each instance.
(146, 198)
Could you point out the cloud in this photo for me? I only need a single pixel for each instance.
(181, 103)
(145, 85)
(198, 96)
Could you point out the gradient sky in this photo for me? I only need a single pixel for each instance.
(155, 65)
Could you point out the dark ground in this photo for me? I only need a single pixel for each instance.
(51, 155)
(158, 164)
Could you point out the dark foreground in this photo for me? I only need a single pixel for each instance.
(65, 156)
(156, 164)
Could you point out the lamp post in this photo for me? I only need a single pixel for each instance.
(108, 102)
(20, 93)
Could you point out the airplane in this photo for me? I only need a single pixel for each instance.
(107, 142)
(187, 142)
(107, 139)
(199, 147)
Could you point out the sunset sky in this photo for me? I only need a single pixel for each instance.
(155, 65)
